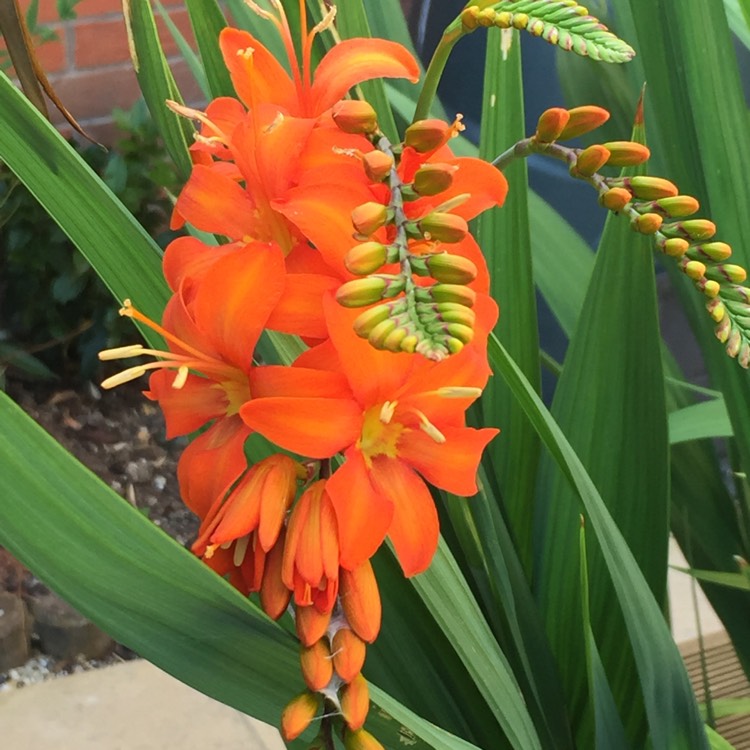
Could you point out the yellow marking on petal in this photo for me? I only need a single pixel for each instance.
(121, 352)
(180, 378)
(123, 377)
(240, 550)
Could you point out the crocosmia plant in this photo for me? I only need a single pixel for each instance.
(400, 545)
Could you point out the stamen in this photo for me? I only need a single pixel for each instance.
(262, 13)
(327, 21)
(431, 430)
(196, 114)
(387, 411)
(121, 352)
(240, 550)
(180, 378)
(123, 377)
(455, 391)
(451, 203)
(209, 553)
(457, 126)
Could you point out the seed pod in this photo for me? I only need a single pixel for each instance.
(298, 715)
(355, 116)
(551, 123)
(355, 702)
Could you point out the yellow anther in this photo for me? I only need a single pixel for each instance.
(123, 377)
(456, 391)
(121, 352)
(387, 411)
(240, 550)
(431, 430)
(245, 53)
(180, 378)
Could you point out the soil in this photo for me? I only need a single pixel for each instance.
(120, 436)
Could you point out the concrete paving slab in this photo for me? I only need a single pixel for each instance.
(129, 706)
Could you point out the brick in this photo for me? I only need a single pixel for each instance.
(101, 43)
(15, 637)
(95, 93)
(51, 54)
(64, 633)
(181, 20)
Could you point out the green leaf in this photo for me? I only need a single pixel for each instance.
(126, 258)
(504, 236)
(125, 574)
(721, 707)
(733, 580)
(708, 419)
(207, 20)
(670, 703)
(157, 83)
(716, 741)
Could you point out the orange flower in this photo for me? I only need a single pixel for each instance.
(403, 417)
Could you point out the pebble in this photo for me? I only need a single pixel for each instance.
(159, 482)
(139, 470)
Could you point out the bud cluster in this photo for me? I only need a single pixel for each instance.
(654, 207)
(416, 288)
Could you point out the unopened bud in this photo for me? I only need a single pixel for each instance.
(316, 664)
(551, 123)
(727, 272)
(647, 223)
(651, 188)
(427, 135)
(738, 293)
(583, 120)
(443, 227)
(716, 309)
(377, 164)
(360, 599)
(365, 258)
(432, 179)
(274, 595)
(380, 332)
(349, 652)
(394, 341)
(626, 153)
(365, 322)
(463, 333)
(366, 291)
(451, 269)
(679, 205)
(311, 624)
(734, 342)
(450, 312)
(744, 360)
(675, 247)
(694, 269)
(355, 116)
(715, 251)
(694, 229)
(355, 702)
(590, 160)
(360, 740)
(470, 18)
(615, 199)
(298, 715)
(459, 293)
(369, 217)
(709, 288)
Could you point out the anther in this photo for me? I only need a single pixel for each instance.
(240, 550)
(180, 378)
(387, 411)
(121, 352)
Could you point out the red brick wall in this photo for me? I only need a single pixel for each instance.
(89, 66)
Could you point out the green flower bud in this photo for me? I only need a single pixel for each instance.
(365, 258)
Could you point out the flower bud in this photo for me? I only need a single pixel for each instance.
(366, 291)
(737, 293)
(744, 360)
(723, 329)
(360, 740)
(716, 309)
(463, 295)
(432, 179)
(679, 205)
(365, 322)
(463, 333)
(443, 227)
(355, 116)
(647, 223)
(651, 188)
(369, 217)
(727, 272)
(311, 624)
(366, 258)
(377, 164)
(454, 313)
(715, 251)
(470, 18)
(675, 247)
(380, 332)
(487, 17)
(360, 599)
(615, 199)
(551, 123)
(355, 702)
(590, 160)
(274, 595)
(451, 269)
(298, 715)
(316, 664)
(583, 120)
(694, 269)
(427, 135)
(733, 343)
(694, 229)
(349, 652)
(626, 153)
(394, 341)
(709, 288)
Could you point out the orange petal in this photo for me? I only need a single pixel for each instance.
(241, 512)
(320, 357)
(363, 514)
(235, 298)
(261, 78)
(451, 465)
(414, 529)
(277, 494)
(215, 203)
(188, 408)
(277, 380)
(300, 309)
(355, 60)
(189, 258)
(274, 595)
(312, 427)
(308, 559)
(360, 600)
(212, 463)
